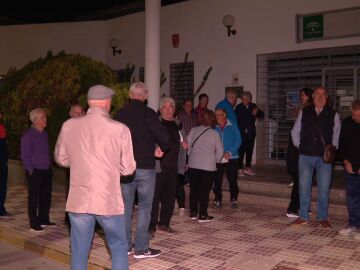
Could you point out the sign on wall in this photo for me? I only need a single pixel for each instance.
(313, 26)
(328, 24)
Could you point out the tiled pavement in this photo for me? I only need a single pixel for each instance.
(252, 237)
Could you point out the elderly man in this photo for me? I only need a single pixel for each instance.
(98, 150)
(35, 155)
(349, 146)
(187, 116)
(315, 125)
(146, 131)
(165, 186)
(228, 104)
(76, 110)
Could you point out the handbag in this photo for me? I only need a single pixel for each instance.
(329, 150)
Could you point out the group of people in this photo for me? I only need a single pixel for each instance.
(318, 125)
(151, 155)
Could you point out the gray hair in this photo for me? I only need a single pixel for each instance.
(248, 94)
(34, 114)
(355, 105)
(139, 89)
(164, 100)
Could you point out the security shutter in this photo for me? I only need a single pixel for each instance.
(280, 76)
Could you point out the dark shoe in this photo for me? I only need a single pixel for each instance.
(325, 224)
(48, 224)
(299, 222)
(290, 214)
(193, 216)
(147, 253)
(233, 204)
(165, 228)
(217, 204)
(205, 218)
(37, 229)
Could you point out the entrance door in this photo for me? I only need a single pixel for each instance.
(343, 86)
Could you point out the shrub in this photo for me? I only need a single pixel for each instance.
(54, 83)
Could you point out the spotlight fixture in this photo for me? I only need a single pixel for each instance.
(228, 21)
(114, 44)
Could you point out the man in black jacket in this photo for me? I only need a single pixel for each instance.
(146, 132)
(349, 146)
(317, 125)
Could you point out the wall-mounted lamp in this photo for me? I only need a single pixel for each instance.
(114, 44)
(228, 21)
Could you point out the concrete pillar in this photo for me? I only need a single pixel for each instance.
(152, 51)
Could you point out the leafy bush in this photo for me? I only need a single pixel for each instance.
(54, 83)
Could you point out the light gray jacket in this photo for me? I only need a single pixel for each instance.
(207, 150)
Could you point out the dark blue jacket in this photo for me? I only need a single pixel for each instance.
(245, 118)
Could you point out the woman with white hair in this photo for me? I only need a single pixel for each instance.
(166, 179)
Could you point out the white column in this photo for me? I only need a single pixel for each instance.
(152, 51)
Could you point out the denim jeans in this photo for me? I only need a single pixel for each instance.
(144, 183)
(353, 198)
(82, 232)
(307, 164)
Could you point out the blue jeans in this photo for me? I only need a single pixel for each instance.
(353, 198)
(307, 164)
(82, 232)
(144, 183)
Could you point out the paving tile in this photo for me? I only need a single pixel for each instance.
(252, 237)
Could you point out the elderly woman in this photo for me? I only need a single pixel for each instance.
(247, 112)
(166, 179)
(231, 139)
(35, 155)
(205, 150)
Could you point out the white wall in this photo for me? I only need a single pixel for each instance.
(21, 44)
(262, 26)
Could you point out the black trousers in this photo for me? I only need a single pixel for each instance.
(247, 147)
(180, 191)
(231, 168)
(39, 196)
(200, 186)
(165, 189)
(3, 186)
(294, 204)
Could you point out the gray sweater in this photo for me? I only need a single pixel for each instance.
(207, 150)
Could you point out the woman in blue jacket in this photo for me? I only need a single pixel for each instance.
(231, 140)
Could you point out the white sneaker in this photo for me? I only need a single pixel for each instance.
(181, 212)
(291, 185)
(348, 231)
(291, 214)
(241, 172)
(357, 236)
(249, 171)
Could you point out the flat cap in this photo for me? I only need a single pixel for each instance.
(97, 92)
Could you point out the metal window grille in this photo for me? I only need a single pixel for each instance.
(280, 76)
(182, 81)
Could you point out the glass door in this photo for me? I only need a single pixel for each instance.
(343, 86)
